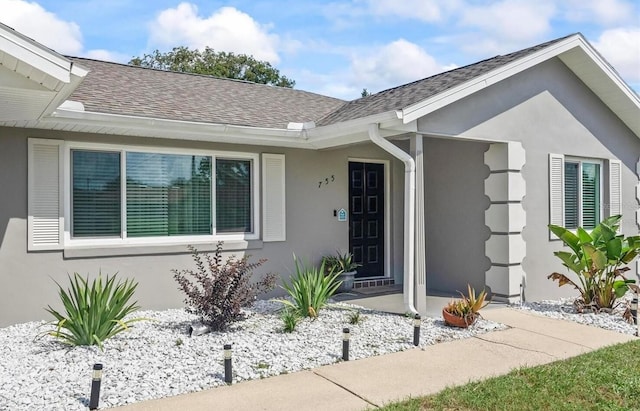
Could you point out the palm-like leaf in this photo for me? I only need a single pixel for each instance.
(596, 259)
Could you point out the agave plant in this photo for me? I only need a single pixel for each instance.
(94, 312)
(468, 306)
(599, 260)
(310, 288)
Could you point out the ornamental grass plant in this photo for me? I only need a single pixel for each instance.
(93, 312)
(310, 288)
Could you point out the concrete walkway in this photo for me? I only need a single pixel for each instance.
(375, 381)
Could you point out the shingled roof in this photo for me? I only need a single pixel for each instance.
(403, 96)
(114, 88)
(121, 89)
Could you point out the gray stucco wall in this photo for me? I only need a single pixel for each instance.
(454, 207)
(548, 110)
(26, 278)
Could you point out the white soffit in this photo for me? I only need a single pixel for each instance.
(577, 54)
(19, 104)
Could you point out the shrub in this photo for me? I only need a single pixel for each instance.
(94, 312)
(598, 259)
(217, 291)
(310, 288)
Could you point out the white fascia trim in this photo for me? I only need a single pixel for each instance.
(350, 132)
(422, 108)
(66, 90)
(180, 130)
(34, 54)
(608, 70)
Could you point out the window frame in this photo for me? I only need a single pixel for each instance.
(123, 239)
(580, 161)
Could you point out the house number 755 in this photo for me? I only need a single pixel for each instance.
(326, 181)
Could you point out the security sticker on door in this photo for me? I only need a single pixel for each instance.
(342, 215)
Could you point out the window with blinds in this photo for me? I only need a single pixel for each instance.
(571, 195)
(233, 196)
(96, 199)
(582, 193)
(164, 194)
(590, 195)
(168, 194)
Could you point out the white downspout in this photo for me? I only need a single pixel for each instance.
(409, 212)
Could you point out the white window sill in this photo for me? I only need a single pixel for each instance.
(121, 250)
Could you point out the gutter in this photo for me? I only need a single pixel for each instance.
(409, 213)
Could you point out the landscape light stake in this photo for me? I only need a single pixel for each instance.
(416, 330)
(95, 386)
(634, 308)
(345, 344)
(228, 377)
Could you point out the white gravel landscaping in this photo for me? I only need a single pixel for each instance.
(157, 358)
(564, 309)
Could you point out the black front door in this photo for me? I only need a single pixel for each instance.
(366, 217)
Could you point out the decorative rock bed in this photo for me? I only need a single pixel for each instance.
(157, 358)
(564, 309)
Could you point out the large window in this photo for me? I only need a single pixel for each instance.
(582, 193)
(137, 194)
(104, 199)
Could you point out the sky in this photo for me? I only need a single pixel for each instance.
(334, 48)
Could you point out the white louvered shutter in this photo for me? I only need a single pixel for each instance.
(45, 218)
(273, 198)
(615, 187)
(556, 190)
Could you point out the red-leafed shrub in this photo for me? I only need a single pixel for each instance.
(218, 289)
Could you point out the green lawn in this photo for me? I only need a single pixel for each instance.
(607, 379)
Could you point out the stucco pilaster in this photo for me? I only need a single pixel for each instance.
(506, 218)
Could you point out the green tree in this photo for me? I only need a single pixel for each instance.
(210, 62)
(365, 93)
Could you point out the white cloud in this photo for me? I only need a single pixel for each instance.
(228, 29)
(44, 27)
(107, 55)
(621, 48)
(376, 69)
(510, 20)
(603, 12)
(429, 11)
(396, 63)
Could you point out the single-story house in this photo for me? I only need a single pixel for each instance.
(434, 184)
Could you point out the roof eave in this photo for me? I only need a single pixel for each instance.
(356, 131)
(78, 120)
(72, 117)
(48, 77)
(35, 55)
